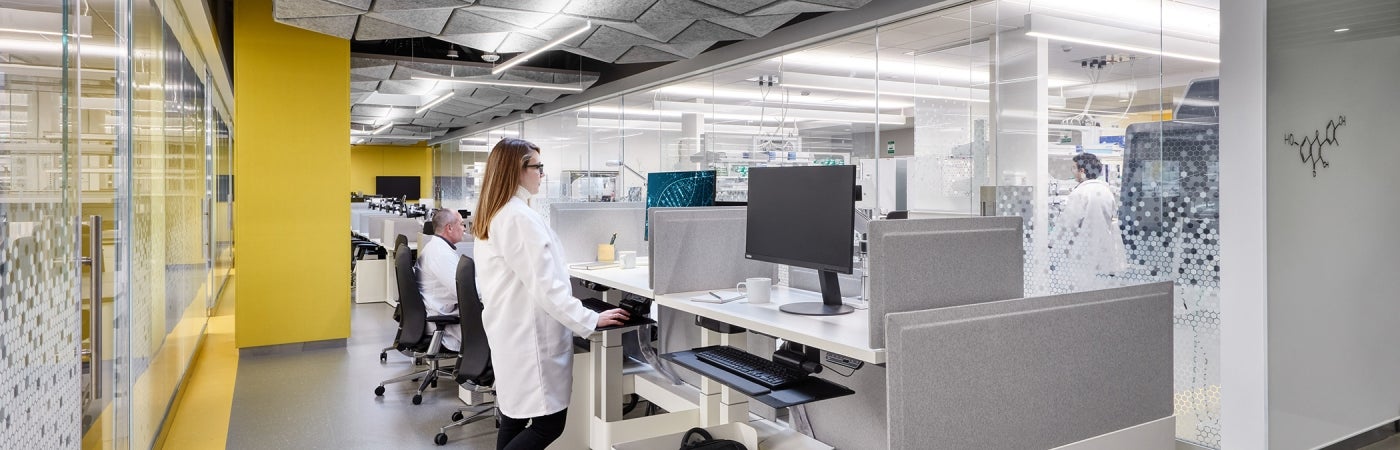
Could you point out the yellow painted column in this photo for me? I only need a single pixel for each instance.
(291, 180)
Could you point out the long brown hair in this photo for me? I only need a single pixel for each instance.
(502, 179)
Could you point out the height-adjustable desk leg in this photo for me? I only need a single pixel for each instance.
(606, 353)
(718, 403)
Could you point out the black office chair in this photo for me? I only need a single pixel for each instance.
(413, 329)
(399, 240)
(897, 214)
(474, 364)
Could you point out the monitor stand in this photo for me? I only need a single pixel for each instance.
(831, 299)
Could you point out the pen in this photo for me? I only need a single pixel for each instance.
(613, 240)
(716, 295)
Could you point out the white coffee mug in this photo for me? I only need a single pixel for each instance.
(758, 289)
(628, 258)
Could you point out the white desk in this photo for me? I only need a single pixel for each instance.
(846, 334)
(636, 280)
(608, 383)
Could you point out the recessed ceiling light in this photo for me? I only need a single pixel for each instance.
(1341, 30)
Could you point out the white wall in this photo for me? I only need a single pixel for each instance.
(1333, 246)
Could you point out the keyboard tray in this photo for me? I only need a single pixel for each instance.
(811, 390)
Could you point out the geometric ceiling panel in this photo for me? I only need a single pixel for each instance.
(794, 7)
(358, 4)
(312, 8)
(703, 30)
(737, 6)
(544, 6)
(393, 5)
(375, 29)
(429, 20)
(623, 10)
(624, 31)
(339, 26)
(391, 79)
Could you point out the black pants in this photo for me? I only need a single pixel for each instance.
(543, 430)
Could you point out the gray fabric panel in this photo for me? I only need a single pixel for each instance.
(700, 248)
(1030, 373)
(854, 421)
(923, 264)
(582, 226)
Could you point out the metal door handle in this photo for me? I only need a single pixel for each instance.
(94, 263)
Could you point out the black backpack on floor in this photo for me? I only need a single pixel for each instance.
(699, 439)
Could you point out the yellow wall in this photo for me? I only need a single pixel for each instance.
(369, 161)
(291, 167)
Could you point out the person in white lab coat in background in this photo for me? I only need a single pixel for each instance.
(437, 267)
(530, 310)
(1090, 240)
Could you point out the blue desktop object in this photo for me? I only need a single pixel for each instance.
(679, 190)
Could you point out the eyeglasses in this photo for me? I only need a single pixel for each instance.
(540, 167)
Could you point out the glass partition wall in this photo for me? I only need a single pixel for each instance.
(987, 108)
(107, 154)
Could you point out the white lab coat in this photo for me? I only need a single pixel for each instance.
(1091, 242)
(437, 281)
(529, 311)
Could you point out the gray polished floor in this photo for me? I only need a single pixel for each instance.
(324, 397)
(1393, 443)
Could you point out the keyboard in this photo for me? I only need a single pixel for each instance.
(765, 372)
(596, 305)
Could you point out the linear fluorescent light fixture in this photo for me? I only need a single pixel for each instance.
(43, 32)
(1131, 48)
(384, 128)
(949, 46)
(490, 82)
(434, 102)
(548, 45)
(897, 94)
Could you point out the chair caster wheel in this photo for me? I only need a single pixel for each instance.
(379, 391)
(440, 439)
(433, 384)
(383, 357)
(457, 416)
(417, 399)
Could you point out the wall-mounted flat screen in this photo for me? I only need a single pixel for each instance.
(394, 187)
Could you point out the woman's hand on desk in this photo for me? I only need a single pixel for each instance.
(611, 317)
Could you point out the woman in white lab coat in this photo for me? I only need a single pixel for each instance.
(530, 311)
(1091, 242)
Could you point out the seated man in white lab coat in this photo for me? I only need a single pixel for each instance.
(437, 272)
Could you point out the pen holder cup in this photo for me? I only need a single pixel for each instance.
(606, 253)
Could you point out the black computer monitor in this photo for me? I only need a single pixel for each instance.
(804, 216)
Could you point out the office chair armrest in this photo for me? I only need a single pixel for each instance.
(445, 320)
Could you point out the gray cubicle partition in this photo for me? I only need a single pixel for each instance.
(700, 248)
(410, 228)
(915, 264)
(695, 249)
(1032, 373)
(923, 264)
(581, 226)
